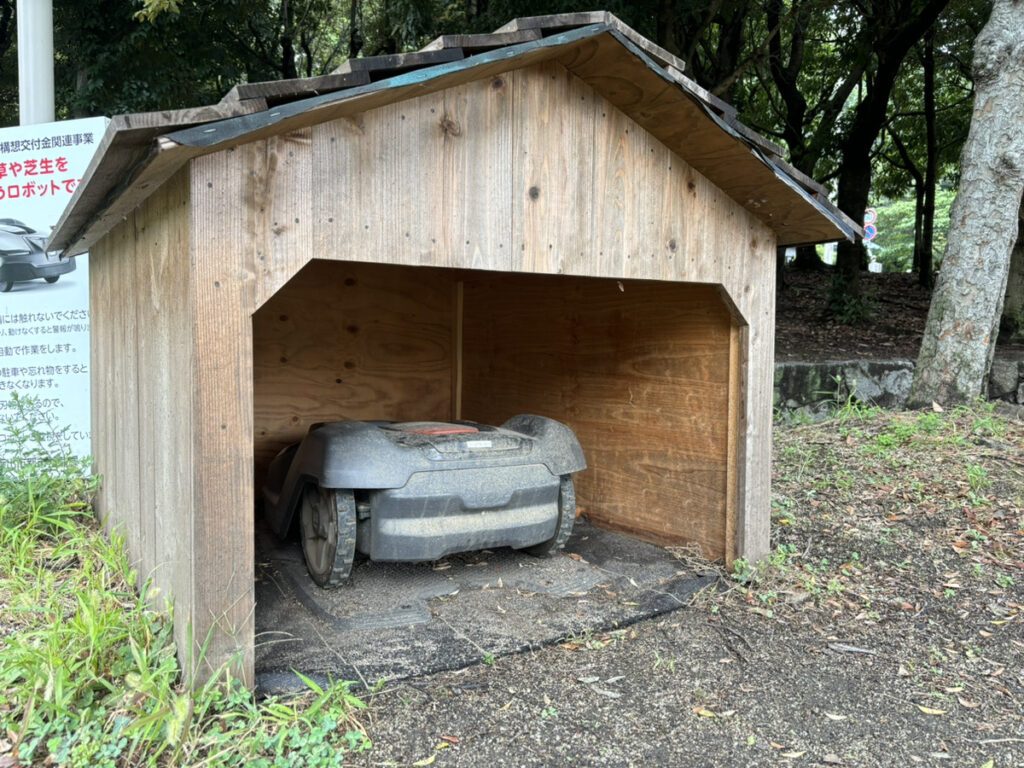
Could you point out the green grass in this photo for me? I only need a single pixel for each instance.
(88, 672)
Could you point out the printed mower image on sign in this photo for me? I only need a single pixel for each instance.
(23, 256)
(417, 491)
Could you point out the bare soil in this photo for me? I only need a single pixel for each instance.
(898, 306)
(887, 628)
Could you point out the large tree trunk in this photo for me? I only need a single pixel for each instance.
(963, 321)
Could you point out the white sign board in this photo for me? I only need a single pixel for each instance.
(44, 301)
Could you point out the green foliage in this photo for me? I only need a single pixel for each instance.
(895, 240)
(88, 672)
(845, 307)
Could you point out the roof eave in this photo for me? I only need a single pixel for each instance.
(599, 54)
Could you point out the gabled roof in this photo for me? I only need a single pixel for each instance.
(139, 152)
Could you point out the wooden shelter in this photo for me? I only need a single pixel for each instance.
(550, 219)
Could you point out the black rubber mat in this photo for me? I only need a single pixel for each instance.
(395, 620)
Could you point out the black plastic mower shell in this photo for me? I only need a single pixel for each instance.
(364, 455)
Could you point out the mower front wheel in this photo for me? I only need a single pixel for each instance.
(327, 522)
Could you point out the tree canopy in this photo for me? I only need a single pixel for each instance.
(867, 96)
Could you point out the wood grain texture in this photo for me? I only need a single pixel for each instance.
(640, 370)
(666, 104)
(677, 118)
(553, 167)
(392, 64)
(222, 421)
(351, 341)
(278, 91)
(560, 21)
(610, 199)
(279, 193)
(119, 176)
(471, 44)
(438, 165)
(141, 395)
(657, 348)
(164, 365)
(122, 474)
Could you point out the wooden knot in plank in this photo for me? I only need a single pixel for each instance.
(450, 125)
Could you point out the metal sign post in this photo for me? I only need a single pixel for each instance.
(35, 61)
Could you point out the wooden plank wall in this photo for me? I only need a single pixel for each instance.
(351, 341)
(533, 171)
(526, 171)
(640, 370)
(141, 391)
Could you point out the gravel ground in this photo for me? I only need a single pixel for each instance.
(887, 629)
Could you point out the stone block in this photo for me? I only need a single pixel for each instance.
(1003, 379)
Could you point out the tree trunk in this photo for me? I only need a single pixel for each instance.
(807, 259)
(355, 34)
(288, 70)
(963, 320)
(918, 223)
(924, 267)
(868, 119)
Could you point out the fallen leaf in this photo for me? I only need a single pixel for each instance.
(794, 754)
(930, 711)
(965, 703)
(613, 680)
(605, 692)
(426, 760)
(505, 708)
(704, 712)
(451, 739)
(777, 746)
(442, 745)
(830, 716)
(936, 407)
(988, 764)
(832, 759)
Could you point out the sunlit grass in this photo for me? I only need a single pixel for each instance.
(88, 672)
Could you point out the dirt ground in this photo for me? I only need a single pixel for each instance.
(887, 629)
(899, 307)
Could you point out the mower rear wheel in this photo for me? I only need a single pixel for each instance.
(327, 523)
(566, 518)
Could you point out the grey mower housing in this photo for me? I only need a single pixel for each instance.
(423, 490)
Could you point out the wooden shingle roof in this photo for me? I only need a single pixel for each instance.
(139, 152)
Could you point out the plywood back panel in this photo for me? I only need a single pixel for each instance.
(639, 369)
(352, 341)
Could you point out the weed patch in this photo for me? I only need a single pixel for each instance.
(88, 672)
